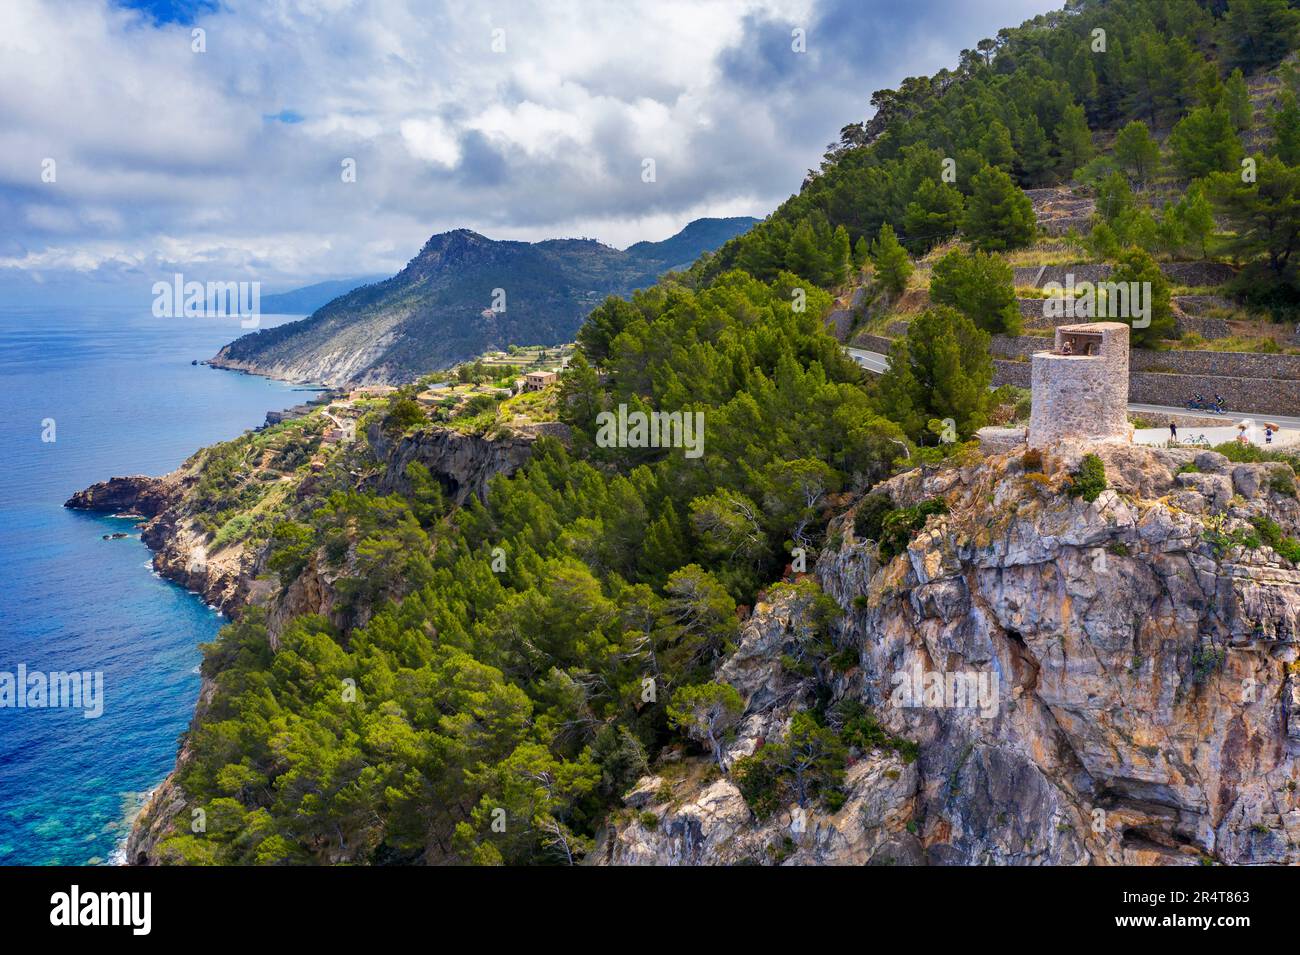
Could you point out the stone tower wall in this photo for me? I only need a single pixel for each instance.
(1081, 397)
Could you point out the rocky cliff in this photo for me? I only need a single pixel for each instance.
(463, 462)
(1139, 652)
(183, 552)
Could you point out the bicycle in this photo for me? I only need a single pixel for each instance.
(1212, 407)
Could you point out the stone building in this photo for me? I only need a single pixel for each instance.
(537, 380)
(1080, 387)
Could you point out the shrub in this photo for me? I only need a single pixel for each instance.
(1270, 533)
(1090, 480)
(1282, 483)
(899, 526)
(870, 516)
(1254, 454)
(807, 765)
(476, 405)
(232, 531)
(403, 413)
(291, 547)
(860, 730)
(1033, 460)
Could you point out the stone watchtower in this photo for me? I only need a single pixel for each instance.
(1080, 387)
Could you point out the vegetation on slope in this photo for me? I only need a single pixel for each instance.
(524, 659)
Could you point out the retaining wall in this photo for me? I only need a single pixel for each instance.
(1190, 274)
(1226, 364)
(1266, 384)
(1261, 395)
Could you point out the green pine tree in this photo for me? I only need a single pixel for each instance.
(892, 266)
(1286, 130)
(1136, 265)
(999, 216)
(1258, 33)
(1204, 141)
(1136, 151)
(1073, 141)
(861, 252)
(1263, 216)
(1236, 97)
(981, 287)
(1196, 216)
(933, 216)
(996, 147)
(942, 369)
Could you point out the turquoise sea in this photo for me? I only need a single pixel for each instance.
(125, 399)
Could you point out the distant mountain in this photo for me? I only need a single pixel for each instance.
(439, 309)
(305, 300)
(700, 236)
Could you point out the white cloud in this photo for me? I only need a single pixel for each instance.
(167, 156)
(431, 139)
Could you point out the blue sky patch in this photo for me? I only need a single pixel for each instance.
(172, 11)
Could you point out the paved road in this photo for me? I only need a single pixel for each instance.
(1229, 417)
(876, 362)
(870, 360)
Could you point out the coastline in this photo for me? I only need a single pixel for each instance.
(221, 579)
(176, 523)
(179, 558)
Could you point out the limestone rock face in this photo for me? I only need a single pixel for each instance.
(463, 462)
(1139, 659)
(713, 826)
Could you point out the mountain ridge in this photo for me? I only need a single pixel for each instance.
(307, 298)
(460, 295)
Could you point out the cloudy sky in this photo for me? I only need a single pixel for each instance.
(520, 120)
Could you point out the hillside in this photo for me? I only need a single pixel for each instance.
(444, 308)
(1102, 641)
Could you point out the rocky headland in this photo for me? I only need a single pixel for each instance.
(232, 575)
(1143, 647)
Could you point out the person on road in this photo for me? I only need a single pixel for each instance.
(1173, 430)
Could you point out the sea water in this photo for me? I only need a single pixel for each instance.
(118, 393)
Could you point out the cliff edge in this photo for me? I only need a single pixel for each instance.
(1139, 653)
